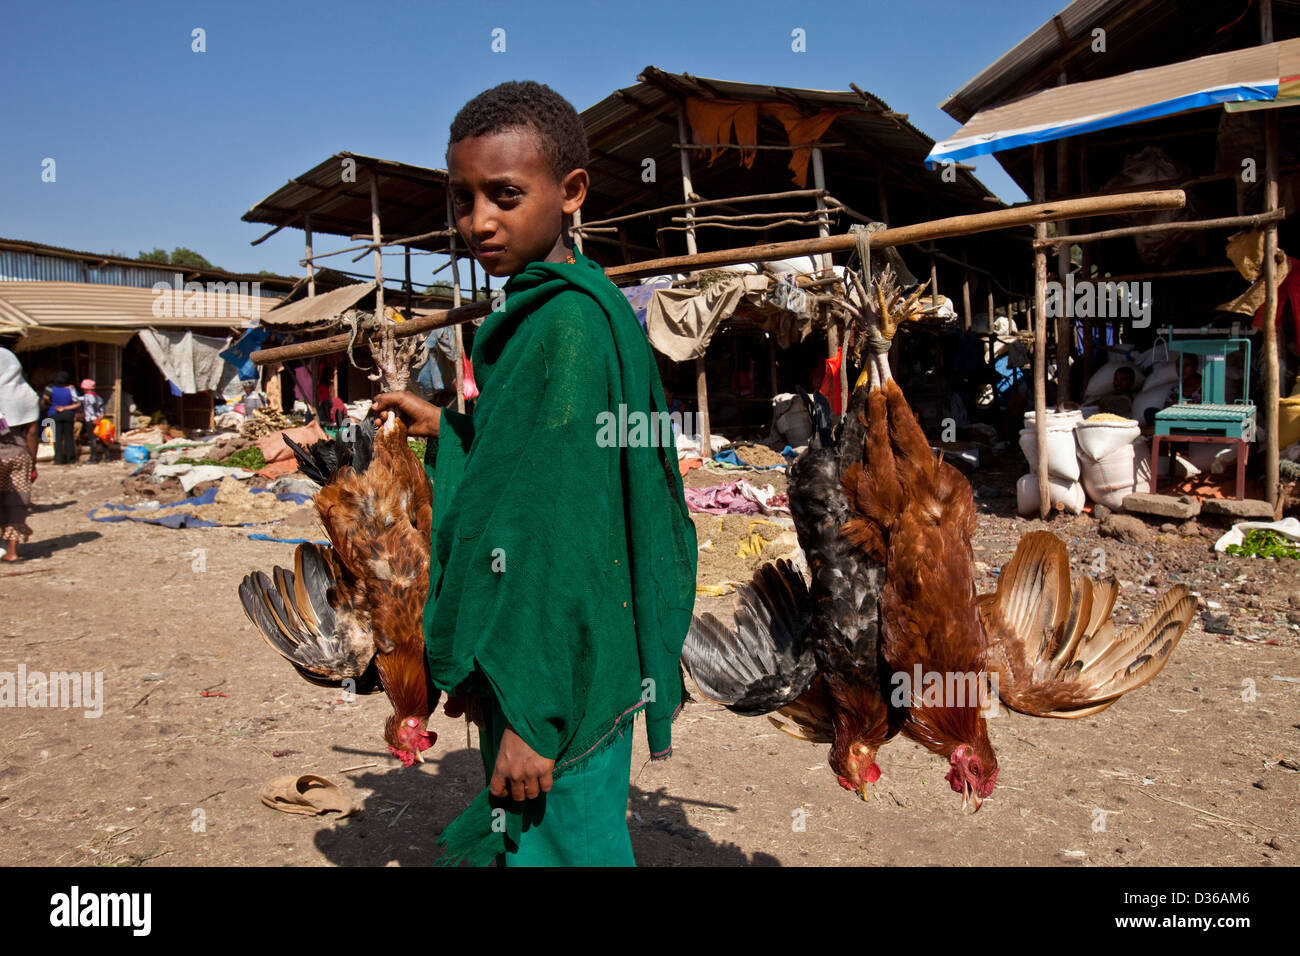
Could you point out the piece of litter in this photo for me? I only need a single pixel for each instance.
(1289, 680)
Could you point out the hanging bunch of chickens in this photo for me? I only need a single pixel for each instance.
(889, 636)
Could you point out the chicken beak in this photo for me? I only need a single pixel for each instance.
(419, 757)
(862, 791)
(863, 378)
(978, 801)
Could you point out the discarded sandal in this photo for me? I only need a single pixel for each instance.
(309, 794)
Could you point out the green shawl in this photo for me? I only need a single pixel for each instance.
(562, 577)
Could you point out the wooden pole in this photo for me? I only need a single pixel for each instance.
(1064, 321)
(311, 266)
(921, 232)
(1040, 342)
(834, 338)
(410, 293)
(379, 257)
(576, 233)
(455, 304)
(1272, 385)
(701, 385)
(1227, 222)
(965, 296)
(117, 392)
(771, 360)
(1086, 272)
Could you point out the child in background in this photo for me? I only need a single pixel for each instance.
(92, 410)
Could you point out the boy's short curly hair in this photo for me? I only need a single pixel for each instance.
(526, 103)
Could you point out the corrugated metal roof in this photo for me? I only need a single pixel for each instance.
(1063, 111)
(320, 308)
(25, 305)
(639, 121)
(412, 199)
(23, 261)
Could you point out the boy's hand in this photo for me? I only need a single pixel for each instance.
(520, 771)
(422, 419)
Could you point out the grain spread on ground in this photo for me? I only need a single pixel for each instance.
(760, 456)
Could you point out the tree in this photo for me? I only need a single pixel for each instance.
(188, 257)
(180, 256)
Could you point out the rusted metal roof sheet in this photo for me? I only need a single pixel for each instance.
(321, 308)
(639, 122)
(336, 193)
(23, 261)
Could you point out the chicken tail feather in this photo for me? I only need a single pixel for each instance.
(312, 619)
(765, 661)
(1051, 643)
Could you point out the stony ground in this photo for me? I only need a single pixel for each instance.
(1199, 768)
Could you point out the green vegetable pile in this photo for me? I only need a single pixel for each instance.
(1260, 543)
(250, 459)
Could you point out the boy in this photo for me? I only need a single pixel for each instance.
(563, 572)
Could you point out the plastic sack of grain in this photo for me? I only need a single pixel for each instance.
(1125, 470)
(1062, 459)
(1100, 435)
(1069, 494)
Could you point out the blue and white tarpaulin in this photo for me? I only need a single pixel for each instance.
(1255, 75)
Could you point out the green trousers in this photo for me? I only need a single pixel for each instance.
(583, 820)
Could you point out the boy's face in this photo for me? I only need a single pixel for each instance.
(507, 203)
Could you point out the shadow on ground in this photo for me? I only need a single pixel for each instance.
(47, 547)
(400, 820)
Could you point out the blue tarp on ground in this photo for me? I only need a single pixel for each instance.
(169, 517)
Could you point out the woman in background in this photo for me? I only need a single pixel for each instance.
(64, 405)
(19, 433)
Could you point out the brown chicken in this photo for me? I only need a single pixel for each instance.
(915, 514)
(891, 633)
(354, 611)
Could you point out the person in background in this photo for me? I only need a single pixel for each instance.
(20, 414)
(92, 410)
(329, 407)
(1120, 399)
(252, 397)
(64, 403)
(815, 399)
(1191, 387)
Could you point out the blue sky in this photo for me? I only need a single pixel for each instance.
(157, 145)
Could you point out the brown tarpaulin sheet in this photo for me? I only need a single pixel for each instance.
(713, 121)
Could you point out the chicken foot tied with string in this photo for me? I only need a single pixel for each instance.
(887, 525)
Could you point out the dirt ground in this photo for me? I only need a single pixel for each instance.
(1196, 769)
